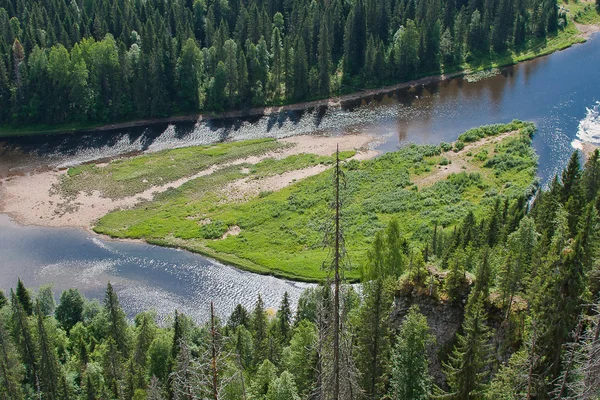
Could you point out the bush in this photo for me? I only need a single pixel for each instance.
(458, 146)
(444, 147)
(214, 230)
(444, 161)
(482, 155)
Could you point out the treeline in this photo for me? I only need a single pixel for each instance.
(84, 61)
(528, 273)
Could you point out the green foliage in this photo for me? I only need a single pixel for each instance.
(70, 309)
(24, 298)
(281, 232)
(410, 377)
(100, 64)
(467, 369)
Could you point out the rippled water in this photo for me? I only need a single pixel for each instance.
(555, 92)
(145, 277)
(560, 93)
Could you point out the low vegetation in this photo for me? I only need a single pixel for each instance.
(282, 231)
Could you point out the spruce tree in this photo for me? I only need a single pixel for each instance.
(284, 318)
(10, 367)
(591, 176)
(24, 298)
(50, 373)
(259, 330)
(468, 365)
(117, 323)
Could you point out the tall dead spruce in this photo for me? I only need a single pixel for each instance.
(337, 376)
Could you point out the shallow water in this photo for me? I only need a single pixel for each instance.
(560, 93)
(145, 277)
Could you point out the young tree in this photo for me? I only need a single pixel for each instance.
(45, 298)
(283, 388)
(410, 377)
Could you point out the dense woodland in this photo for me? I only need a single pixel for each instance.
(95, 61)
(525, 276)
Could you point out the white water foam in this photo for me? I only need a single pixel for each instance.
(589, 128)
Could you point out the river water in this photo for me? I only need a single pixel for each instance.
(560, 93)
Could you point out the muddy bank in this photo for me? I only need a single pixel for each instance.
(34, 199)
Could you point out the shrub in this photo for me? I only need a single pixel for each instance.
(444, 147)
(214, 230)
(458, 146)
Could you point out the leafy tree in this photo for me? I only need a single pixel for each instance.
(283, 388)
(70, 309)
(45, 298)
(300, 356)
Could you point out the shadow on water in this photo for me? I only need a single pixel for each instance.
(427, 113)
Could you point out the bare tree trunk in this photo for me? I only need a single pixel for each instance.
(336, 301)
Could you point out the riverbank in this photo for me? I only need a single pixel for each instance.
(280, 232)
(77, 197)
(574, 33)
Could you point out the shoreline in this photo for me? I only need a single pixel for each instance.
(586, 32)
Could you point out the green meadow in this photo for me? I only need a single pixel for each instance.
(282, 232)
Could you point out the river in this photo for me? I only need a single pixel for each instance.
(560, 93)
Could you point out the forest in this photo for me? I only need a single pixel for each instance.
(88, 62)
(522, 282)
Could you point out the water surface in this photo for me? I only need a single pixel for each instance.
(145, 277)
(559, 93)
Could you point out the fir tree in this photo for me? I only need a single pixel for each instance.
(24, 298)
(468, 365)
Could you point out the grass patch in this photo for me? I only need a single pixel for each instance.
(127, 177)
(282, 231)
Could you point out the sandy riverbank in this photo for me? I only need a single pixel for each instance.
(33, 199)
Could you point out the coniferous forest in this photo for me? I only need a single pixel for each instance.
(502, 306)
(98, 61)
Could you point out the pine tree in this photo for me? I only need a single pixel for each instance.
(117, 323)
(284, 318)
(24, 339)
(259, 329)
(467, 369)
(373, 335)
(591, 176)
(50, 373)
(24, 298)
(10, 367)
(410, 377)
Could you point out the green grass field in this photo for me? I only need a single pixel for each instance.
(282, 232)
